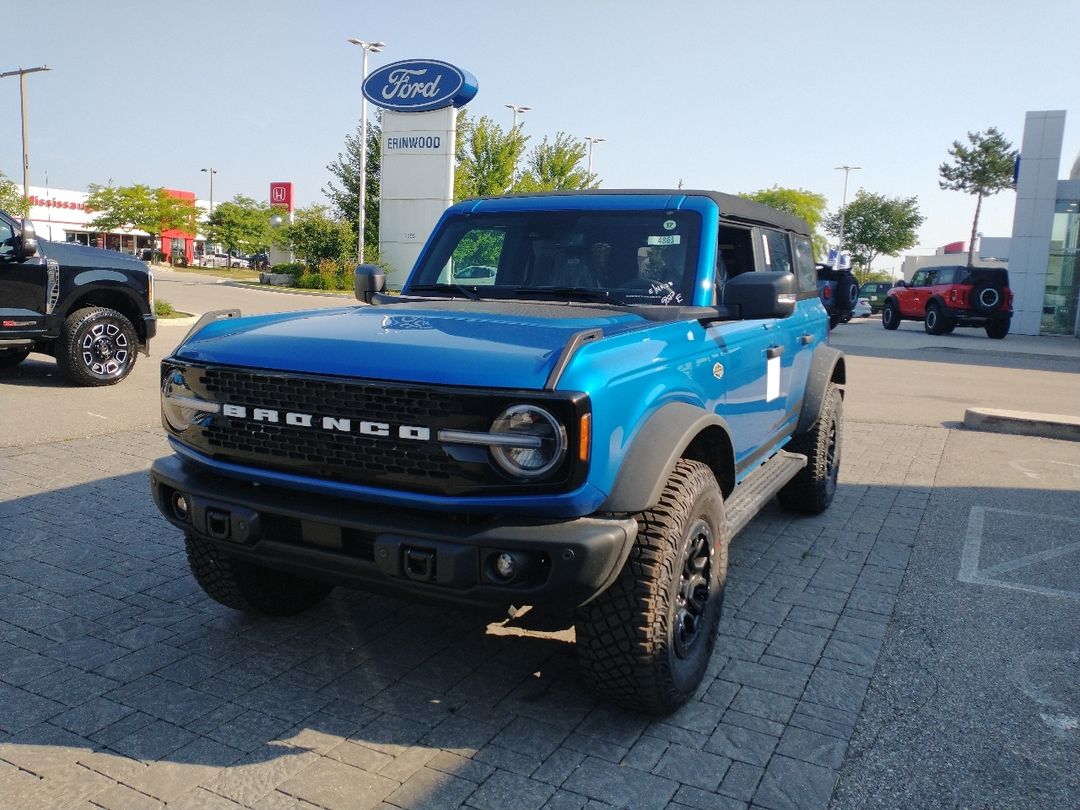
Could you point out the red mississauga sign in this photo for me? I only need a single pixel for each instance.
(281, 196)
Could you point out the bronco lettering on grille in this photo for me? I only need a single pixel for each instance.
(342, 425)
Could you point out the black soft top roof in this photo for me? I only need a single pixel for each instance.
(731, 205)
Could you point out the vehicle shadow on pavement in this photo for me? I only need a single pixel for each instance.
(121, 683)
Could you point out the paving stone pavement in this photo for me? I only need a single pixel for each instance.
(122, 686)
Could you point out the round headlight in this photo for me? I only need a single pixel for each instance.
(179, 405)
(542, 441)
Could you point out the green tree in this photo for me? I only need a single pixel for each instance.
(557, 165)
(240, 224)
(12, 199)
(799, 202)
(487, 157)
(344, 195)
(316, 236)
(876, 225)
(983, 168)
(139, 207)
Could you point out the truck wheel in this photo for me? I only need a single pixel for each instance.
(997, 329)
(890, 315)
(248, 587)
(936, 323)
(645, 642)
(834, 320)
(812, 490)
(97, 346)
(9, 358)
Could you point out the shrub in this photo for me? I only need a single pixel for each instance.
(163, 309)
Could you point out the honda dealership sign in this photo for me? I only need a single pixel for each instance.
(420, 98)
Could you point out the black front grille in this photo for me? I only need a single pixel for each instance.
(389, 461)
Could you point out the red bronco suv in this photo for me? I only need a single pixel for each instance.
(944, 298)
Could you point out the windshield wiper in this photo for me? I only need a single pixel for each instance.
(461, 290)
(588, 293)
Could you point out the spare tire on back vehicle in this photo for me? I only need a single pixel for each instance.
(986, 297)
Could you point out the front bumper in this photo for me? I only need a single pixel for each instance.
(436, 556)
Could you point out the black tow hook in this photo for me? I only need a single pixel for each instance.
(419, 564)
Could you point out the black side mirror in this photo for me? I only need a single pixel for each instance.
(28, 243)
(368, 279)
(900, 283)
(765, 294)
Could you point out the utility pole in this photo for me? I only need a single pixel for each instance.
(21, 73)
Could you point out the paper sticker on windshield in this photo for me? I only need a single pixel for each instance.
(669, 225)
(667, 239)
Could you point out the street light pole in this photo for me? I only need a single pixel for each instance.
(517, 109)
(21, 73)
(211, 171)
(847, 170)
(372, 47)
(592, 141)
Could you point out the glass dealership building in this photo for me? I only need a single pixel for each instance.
(1044, 252)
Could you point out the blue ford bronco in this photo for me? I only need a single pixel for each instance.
(577, 401)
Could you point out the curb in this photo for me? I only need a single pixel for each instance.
(1023, 423)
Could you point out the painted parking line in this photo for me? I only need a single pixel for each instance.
(969, 558)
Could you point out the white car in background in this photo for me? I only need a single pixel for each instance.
(862, 308)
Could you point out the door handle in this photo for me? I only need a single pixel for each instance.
(806, 339)
(774, 351)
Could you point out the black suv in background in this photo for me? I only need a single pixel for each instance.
(91, 309)
(838, 290)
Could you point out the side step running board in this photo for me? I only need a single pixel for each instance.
(759, 487)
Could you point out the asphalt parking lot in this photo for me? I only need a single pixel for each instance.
(915, 646)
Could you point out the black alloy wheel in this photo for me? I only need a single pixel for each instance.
(694, 590)
(97, 346)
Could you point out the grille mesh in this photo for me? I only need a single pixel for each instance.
(347, 456)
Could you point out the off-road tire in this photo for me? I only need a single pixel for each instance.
(248, 587)
(847, 292)
(890, 315)
(9, 358)
(97, 346)
(834, 320)
(812, 490)
(642, 643)
(997, 329)
(936, 322)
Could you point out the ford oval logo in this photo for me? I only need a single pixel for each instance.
(418, 85)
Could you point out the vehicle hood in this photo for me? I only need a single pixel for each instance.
(494, 344)
(68, 254)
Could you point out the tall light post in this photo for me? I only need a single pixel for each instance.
(516, 109)
(847, 170)
(211, 171)
(591, 140)
(368, 47)
(21, 73)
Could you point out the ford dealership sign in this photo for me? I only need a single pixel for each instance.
(419, 85)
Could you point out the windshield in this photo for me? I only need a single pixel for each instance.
(639, 257)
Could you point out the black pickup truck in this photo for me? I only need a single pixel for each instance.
(91, 309)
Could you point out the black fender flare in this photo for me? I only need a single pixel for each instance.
(651, 458)
(826, 366)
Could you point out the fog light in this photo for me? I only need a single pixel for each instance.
(505, 566)
(180, 506)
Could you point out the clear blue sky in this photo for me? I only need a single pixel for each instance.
(733, 96)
